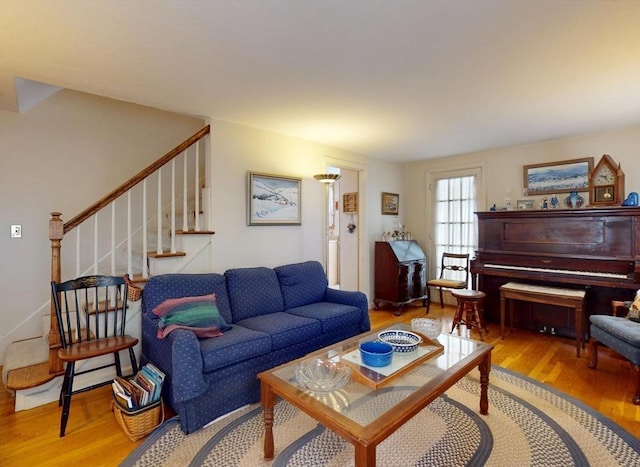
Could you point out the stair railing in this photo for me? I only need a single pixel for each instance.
(128, 220)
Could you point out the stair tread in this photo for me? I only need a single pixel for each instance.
(29, 377)
(166, 254)
(195, 232)
(138, 279)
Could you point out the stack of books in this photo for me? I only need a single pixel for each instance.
(140, 391)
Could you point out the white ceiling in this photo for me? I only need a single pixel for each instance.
(398, 80)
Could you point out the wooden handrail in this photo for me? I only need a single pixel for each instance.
(133, 181)
(58, 228)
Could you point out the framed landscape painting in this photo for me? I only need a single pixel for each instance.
(558, 177)
(273, 200)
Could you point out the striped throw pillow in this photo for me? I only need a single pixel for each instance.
(199, 314)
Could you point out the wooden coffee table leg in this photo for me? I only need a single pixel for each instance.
(365, 455)
(268, 403)
(484, 367)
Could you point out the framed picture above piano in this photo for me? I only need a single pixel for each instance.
(558, 177)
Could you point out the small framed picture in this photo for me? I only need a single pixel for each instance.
(525, 204)
(390, 203)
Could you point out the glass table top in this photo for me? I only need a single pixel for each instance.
(363, 401)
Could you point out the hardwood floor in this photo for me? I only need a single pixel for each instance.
(30, 437)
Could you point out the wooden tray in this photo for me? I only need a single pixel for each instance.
(401, 363)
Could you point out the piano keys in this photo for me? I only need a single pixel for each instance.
(595, 249)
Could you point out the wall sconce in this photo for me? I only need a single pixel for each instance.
(327, 178)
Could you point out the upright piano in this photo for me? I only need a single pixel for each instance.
(595, 249)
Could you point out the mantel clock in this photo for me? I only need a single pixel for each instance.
(606, 183)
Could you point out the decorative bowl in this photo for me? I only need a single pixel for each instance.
(320, 375)
(376, 353)
(427, 326)
(401, 341)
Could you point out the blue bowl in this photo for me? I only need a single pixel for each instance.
(376, 353)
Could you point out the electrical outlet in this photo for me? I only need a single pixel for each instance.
(16, 231)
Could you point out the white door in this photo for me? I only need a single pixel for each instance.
(342, 233)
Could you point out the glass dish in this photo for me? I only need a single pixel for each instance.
(320, 375)
(427, 326)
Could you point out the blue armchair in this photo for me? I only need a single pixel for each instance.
(620, 334)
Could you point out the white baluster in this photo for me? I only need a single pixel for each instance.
(196, 187)
(159, 214)
(113, 238)
(129, 236)
(173, 206)
(145, 273)
(185, 207)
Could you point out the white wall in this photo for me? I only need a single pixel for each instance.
(238, 149)
(504, 171)
(62, 155)
(73, 148)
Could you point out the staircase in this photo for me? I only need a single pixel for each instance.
(152, 224)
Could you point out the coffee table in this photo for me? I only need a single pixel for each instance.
(375, 418)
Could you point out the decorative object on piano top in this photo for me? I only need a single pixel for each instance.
(632, 199)
(574, 200)
(525, 204)
(606, 183)
(557, 177)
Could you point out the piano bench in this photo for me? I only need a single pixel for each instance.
(621, 335)
(570, 298)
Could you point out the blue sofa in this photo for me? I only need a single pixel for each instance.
(276, 315)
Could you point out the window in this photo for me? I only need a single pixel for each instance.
(455, 227)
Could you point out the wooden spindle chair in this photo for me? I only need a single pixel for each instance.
(92, 313)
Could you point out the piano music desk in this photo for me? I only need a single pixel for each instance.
(569, 298)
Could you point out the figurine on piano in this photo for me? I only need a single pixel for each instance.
(554, 202)
(632, 199)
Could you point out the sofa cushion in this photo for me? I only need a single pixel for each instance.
(302, 283)
(199, 314)
(236, 345)
(333, 316)
(164, 286)
(252, 292)
(285, 329)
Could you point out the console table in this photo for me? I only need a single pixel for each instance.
(570, 298)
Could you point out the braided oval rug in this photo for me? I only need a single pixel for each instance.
(528, 424)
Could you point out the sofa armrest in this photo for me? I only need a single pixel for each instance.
(353, 298)
(178, 355)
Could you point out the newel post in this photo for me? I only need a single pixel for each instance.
(56, 232)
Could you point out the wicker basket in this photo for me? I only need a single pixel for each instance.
(138, 423)
(134, 291)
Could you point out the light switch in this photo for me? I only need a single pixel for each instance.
(16, 231)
